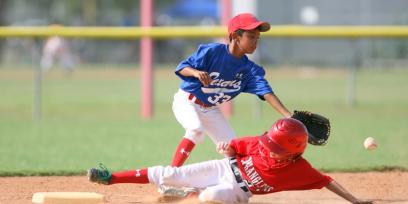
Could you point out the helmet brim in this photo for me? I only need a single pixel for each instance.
(271, 145)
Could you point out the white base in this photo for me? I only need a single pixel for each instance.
(67, 198)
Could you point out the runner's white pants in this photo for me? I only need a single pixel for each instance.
(197, 120)
(214, 177)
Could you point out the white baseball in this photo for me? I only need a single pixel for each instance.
(369, 143)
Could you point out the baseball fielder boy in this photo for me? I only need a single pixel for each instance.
(268, 163)
(56, 49)
(214, 74)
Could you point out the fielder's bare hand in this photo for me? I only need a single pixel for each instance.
(225, 148)
(204, 77)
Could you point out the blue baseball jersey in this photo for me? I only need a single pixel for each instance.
(230, 75)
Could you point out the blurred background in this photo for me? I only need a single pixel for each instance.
(369, 53)
(87, 109)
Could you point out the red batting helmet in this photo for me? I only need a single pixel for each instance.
(286, 136)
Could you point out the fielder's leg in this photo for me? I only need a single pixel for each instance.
(186, 114)
(216, 125)
(182, 152)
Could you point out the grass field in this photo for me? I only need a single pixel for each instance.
(92, 116)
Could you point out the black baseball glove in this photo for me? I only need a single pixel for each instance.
(317, 125)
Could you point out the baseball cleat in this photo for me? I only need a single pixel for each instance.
(174, 194)
(99, 175)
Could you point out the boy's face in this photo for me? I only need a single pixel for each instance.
(249, 41)
(278, 156)
(283, 156)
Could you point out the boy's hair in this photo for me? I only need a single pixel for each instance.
(240, 32)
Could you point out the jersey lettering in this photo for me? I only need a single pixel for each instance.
(234, 84)
(254, 179)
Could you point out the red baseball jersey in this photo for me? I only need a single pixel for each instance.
(264, 174)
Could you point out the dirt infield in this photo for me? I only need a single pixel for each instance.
(382, 187)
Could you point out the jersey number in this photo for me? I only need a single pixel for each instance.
(219, 98)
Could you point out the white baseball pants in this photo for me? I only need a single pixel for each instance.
(214, 177)
(197, 120)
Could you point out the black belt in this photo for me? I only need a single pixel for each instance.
(237, 174)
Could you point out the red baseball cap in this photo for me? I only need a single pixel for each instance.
(247, 21)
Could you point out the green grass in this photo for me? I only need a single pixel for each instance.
(93, 116)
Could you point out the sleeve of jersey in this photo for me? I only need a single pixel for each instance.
(242, 145)
(312, 178)
(196, 60)
(257, 84)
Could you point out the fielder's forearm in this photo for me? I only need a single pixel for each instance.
(274, 101)
(187, 71)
